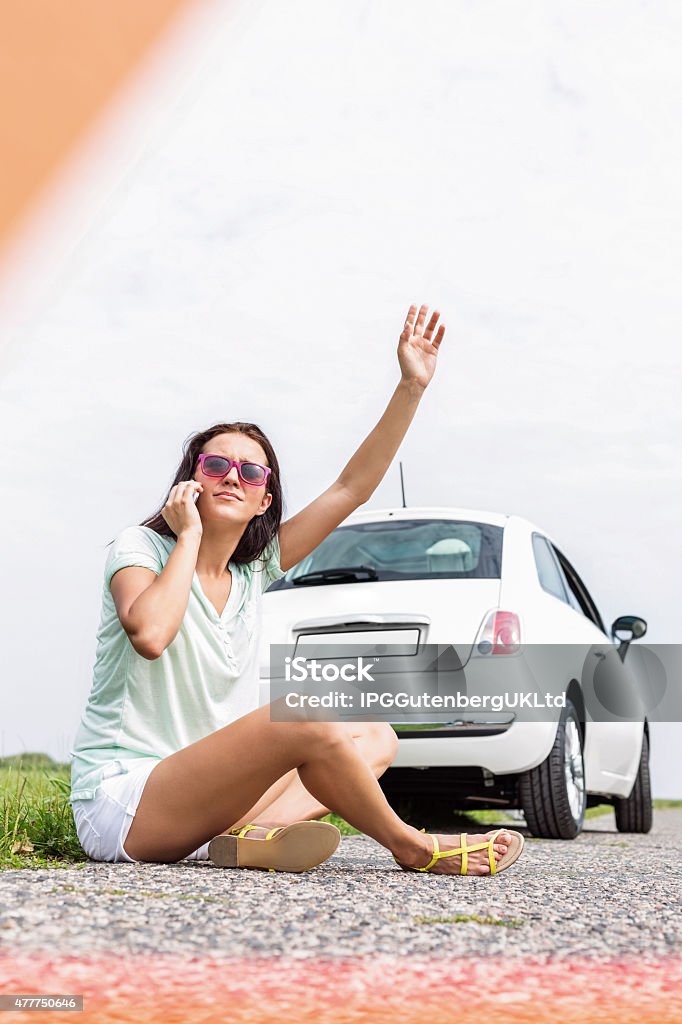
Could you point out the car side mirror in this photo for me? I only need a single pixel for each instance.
(631, 624)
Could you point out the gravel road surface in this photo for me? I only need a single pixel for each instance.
(603, 894)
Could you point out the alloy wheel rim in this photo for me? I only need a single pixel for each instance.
(573, 769)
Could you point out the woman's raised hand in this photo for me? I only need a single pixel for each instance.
(418, 348)
(180, 511)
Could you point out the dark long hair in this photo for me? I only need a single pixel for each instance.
(261, 529)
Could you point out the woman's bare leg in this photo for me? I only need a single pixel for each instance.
(288, 800)
(197, 792)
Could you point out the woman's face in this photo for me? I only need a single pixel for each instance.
(248, 501)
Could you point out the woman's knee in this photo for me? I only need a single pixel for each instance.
(378, 742)
(385, 742)
(314, 734)
(331, 734)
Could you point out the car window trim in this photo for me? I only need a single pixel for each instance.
(541, 537)
(580, 591)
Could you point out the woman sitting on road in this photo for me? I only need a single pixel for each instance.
(173, 757)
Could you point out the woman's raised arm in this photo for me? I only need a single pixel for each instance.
(417, 352)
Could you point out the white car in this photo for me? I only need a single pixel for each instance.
(487, 583)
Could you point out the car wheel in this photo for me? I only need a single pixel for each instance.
(634, 813)
(553, 794)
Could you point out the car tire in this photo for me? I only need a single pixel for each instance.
(635, 812)
(552, 795)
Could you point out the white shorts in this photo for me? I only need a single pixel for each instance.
(102, 824)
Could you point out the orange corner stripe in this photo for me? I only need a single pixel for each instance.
(62, 62)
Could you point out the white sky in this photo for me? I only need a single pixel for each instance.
(243, 240)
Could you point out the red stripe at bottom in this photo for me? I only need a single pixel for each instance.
(378, 988)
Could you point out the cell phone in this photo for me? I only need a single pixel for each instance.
(195, 496)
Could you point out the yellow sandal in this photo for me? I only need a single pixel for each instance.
(296, 847)
(241, 830)
(513, 852)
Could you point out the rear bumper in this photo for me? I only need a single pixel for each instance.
(522, 745)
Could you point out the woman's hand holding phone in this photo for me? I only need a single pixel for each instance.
(157, 612)
(180, 511)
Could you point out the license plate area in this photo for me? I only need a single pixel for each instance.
(368, 643)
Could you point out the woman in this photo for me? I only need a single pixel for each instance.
(173, 757)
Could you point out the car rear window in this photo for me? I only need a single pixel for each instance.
(406, 549)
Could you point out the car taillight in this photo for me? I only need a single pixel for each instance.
(499, 634)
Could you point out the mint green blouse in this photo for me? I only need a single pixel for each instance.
(205, 679)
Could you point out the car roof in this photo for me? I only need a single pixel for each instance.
(428, 512)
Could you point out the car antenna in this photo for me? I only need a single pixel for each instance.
(402, 484)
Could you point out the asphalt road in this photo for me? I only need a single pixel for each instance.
(603, 894)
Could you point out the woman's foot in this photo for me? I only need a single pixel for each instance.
(478, 862)
(257, 829)
(298, 846)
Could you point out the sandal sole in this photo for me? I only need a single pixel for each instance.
(298, 847)
(513, 852)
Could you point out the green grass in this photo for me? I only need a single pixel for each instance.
(596, 812)
(344, 828)
(486, 817)
(659, 805)
(511, 922)
(149, 894)
(37, 829)
(29, 760)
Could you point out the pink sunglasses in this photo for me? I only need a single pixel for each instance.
(219, 465)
